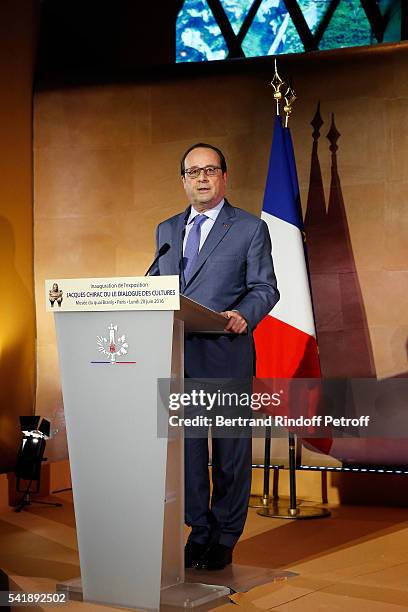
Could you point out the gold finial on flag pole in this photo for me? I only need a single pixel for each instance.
(290, 98)
(277, 84)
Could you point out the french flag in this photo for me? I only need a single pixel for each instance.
(285, 340)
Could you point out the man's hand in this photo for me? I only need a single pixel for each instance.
(236, 322)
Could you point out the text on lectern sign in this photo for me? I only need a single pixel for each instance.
(121, 293)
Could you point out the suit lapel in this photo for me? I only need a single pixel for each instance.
(221, 227)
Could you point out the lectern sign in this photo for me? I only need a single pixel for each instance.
(122, 293)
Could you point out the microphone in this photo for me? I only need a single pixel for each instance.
(162, 251)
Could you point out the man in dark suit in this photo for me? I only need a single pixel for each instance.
(223, 257)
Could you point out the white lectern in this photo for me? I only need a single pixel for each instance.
(127, 482)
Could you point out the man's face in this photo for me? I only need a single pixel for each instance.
(204, 192)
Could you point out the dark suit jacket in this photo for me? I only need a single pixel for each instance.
(234, 271)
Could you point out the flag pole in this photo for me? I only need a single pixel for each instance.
(277, 85)
(281, 510)
(265, 501)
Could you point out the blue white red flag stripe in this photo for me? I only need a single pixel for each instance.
(285, 340)
(281, 351)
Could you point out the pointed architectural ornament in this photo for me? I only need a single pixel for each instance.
(317, 123)
(316, 202)
(333, 135)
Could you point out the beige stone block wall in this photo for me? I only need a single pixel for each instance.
(107, 171)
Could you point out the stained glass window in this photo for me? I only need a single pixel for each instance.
(349, 27)
(198, 36)
(272, 31)
(236, 11)
(313, 11)
(273, 27)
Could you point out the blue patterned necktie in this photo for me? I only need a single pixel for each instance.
(192, 245)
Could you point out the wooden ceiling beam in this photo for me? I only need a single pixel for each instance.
(234, 47)
(298, 19)
(325, 22)
(250, 16)
(404, 20)
(377, 21)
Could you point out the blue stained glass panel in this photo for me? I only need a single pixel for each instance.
(386, 6)
(272, 31)
(349, 27)
(236, 11)
(313, 11)
(198, 36)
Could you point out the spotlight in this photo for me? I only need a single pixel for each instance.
(30, 457)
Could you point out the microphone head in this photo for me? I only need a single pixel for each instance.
(163, 249)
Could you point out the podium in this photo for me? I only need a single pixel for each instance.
(128, 483)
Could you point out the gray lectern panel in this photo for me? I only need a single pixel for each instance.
(117, 461)
(173, 534)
